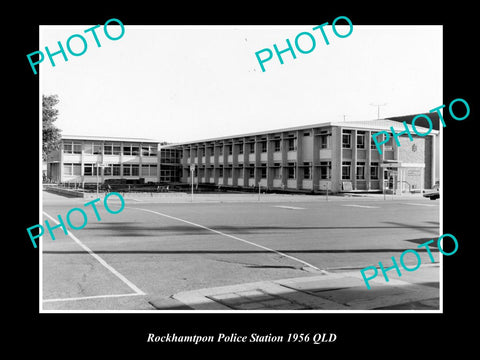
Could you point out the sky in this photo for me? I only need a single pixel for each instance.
(186, 83)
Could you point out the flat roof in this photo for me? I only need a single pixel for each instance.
(380, 124)
(108, 138)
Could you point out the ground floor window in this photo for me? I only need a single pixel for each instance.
(149, 170)
(70, 169)
(360, 171)
(307, 171)
(374, 171)
(325, 170)
(291, 171)
(89, 169)
(346, 171)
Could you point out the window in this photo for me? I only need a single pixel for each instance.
(88, 169)
(264, 146)
(88, 148)
(306, 133)
(240, 148)
(361, 141)
(97, 149)
(67, 169)
(68, 148)
(127, 170)
(77, 148)
(252, 148)
(389, 143)
(325, 141)
(292, 144)
(263, 172)
(149, 150)
(291, 172)
(127, 150)
(117, 149)
(153, 170)
(72, 148)
(135, 170)
(108, 149)
(346, 170)
(220, 172)
(135, 150)
(251, 172)
(107, 170)
(372, 143)
(220, 150)
(116, 169)
(346, 140)
(325, 170)
(360, 171)
(307, 171)
(276, 145)
(230, 149)
(374, 171)
(277, 172)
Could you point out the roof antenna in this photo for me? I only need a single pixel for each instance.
(378, 109)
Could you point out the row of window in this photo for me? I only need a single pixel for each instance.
(291, 145)
(361, 142)
(324, 143)
(360, 170)
(109, 149)
(325, 169)
(110, 170)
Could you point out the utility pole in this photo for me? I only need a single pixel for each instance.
(378, 108)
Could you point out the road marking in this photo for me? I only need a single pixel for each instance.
(101, 261)
(363, 206)
(289, 207)
(90, 297)
(420, 204)
(232, 237)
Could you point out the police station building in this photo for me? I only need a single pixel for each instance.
(340, 157)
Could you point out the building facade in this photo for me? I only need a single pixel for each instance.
(334, 156)
(91, 159)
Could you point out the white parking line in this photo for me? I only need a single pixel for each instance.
(231, 236)
(420, 204)
(89, 297)
(289, 207)
(363, 206)
(101, 261)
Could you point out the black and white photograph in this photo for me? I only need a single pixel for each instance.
(201, 173)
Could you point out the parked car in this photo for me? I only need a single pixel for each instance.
(434, 193)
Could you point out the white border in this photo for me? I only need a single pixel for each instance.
(195, 27)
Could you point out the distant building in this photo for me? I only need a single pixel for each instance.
(88, 159)
(310, 158)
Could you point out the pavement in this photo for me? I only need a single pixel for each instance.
(196, 256)
(326, 291)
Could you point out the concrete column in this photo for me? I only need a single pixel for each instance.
(316, 161)
(299, 159)
(60, 170)
(353, 170)
(368, 160)
(234, 164)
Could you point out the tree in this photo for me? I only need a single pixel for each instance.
(50, 133)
